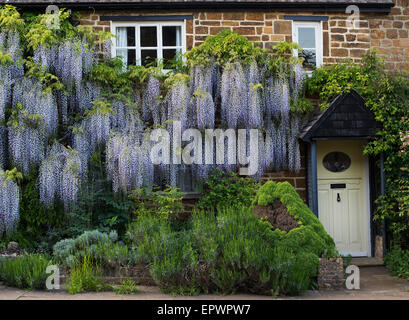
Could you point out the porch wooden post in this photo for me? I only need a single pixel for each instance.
(313, 151)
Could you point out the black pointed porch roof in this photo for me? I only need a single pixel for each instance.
(346, 117)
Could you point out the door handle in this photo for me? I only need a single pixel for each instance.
(338, 197)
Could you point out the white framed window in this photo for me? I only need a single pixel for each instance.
(142, 42)
(308, 35)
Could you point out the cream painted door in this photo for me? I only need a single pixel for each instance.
(343, 197)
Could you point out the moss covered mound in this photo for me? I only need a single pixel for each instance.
(310, 236)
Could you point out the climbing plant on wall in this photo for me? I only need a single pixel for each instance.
(60, 107)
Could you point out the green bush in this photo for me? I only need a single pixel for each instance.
(101, 248)
(224, 253)
(166, 203)
(397, 262)
(232, 250)
(226, 189)
(311, 235)
(85, 277)
(25, 272)
(242, 253)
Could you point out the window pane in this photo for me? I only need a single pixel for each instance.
(131, 57)
(148, 56)
(306, 37)
(310, 58)
(148, 37)
(125, 37)
(168, 54)
(172, 36)
(128, 56)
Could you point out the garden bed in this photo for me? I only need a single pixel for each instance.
(138, 274)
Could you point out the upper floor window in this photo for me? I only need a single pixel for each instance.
(308, 35)
(141, 43)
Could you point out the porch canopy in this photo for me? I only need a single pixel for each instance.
(347, 117)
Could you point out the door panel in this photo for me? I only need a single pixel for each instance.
(342, 207)
(342, 214)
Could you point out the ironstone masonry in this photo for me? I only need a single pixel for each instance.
(385, 32)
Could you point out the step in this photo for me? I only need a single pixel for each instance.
(367, 262)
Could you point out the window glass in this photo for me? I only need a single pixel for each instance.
(148, 37)
(336, 162)
(148, 56)
(172, 36)
(142, 43)
(306, 37)
(125, 36)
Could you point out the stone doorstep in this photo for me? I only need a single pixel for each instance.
(367, 262)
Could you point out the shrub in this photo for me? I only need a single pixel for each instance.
(225, 252)
(311, 235)
(397, 262)
(101, 248)
(25, 272)
(165, 203)
(226, 189)
(84, 277)
(243, 253)
(232, 250)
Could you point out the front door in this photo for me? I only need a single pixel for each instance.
(343, 195)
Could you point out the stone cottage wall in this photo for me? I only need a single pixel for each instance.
(387, 33)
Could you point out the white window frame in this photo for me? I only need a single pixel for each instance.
(317, 25)
(159, 47)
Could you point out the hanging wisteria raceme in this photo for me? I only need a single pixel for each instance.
(106, 49)
(10, 41)
(297, 78)
(14, 48)
(3, 133)
(269, 154)
(294, 156)
(234, 94)
(26, 147)
(88, 57)
(150, 101)
(205, 109)
(46, 56)
(61, 175)
(178, 103)
(97, 125)
(128, 162)
(284, 103)
(9, 203)
(125, 118)
(73, 173)
(30, 94)
(73, 59)
(255, 119)
(204, 78)
(80, 142)
(85, 95)
(50, 174)
(202, 86)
